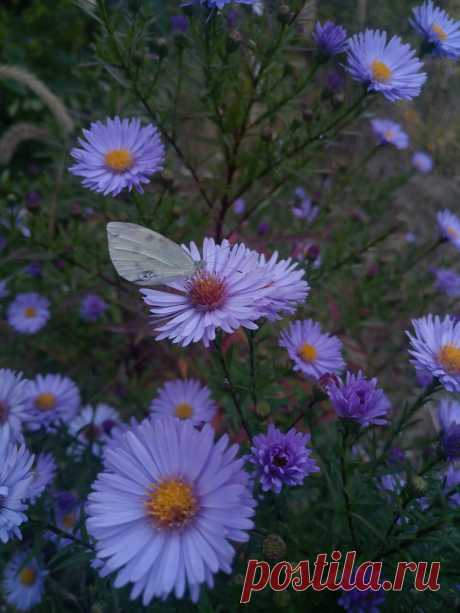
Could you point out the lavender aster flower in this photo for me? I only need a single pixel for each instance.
(52, 400)
(422, 162)
(67, 511)
(330, 39)
(92, 307)
(390, 133)
(358, 399)
(435, 348)
(449, 227)
(185, 399)
(15, 480)
(34, 269)
(392, 483)
(28, 313)
(44, 471)
(448, 422)
(13, 398)
(313, 352)
(390, 68)
(281, 459)
(441, 33)
(225, 293)
(93, 427)
(304, 208)
(447, 281)
(23, 581)
(239, 206)
(117, 155)
(164, 511)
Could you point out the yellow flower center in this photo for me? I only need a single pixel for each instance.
(440, 33)
(449, 356)
(68, 521)
(119, 160)
(307, 352)
(45, 401)
(183, 410)
(380, 71)
(172, 504)
(28, 576)
(30, 312)
(452, 232)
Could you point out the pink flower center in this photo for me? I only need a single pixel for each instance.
(206, 291)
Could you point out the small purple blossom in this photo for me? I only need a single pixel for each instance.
(362, 601)
(330, 38)
(184, 399)
(179, 23)
(304, 207)
(34, 269)
(441, 33)
(281, 459)
(28, 313)
(386, 66)
(448, 421)
(447, 281)
(92, 307)
(359, 399)
(117, 155)
(239, 206)
(390, 133)
(422, 162)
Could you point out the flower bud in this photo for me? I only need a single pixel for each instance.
(274, 547)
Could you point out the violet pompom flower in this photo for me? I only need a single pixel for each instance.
(389, 67)
(449, 227)
(441, 33)
(52, 400)
(359, 399)
(93, 428)
(422, 162)
(184, 399)
(435, 348)
(330, 38)
(117, 155)
(23, 580)
(13, 402)
(313, 352)
(234, 287)
(92, 307)
(44, 471)
(447, 281)
(390, 133)
(164, 511)
(15, 480)
(281, 459)
(28, 313)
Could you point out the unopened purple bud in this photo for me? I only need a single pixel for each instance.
(179, 23)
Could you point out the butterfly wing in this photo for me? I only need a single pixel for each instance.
(145, 257)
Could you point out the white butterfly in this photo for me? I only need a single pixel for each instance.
(145, 257)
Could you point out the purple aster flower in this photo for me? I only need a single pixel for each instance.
(387, 67)
(390, 133)
(435, 348)
(447, 281)
(441, 33)
(313, 352)
(449, 227)
(15, 480)
(67, 510)
(225, 293)
(281, 459)
(362, 601)
(44, 471)
(92, 307)
(23, 580)
(28, 313)
(117, 155)
(52, 401)
(452, 480)
(422, 162)
(165, 509)
(392, 483)
(410, 237)
(179, 23)
(93, 427)
(239, 206)
(34, 269)
(13, 399)
(184, 399)
(330, 39)
(448, 422)
(304, 208)
(359, 399)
